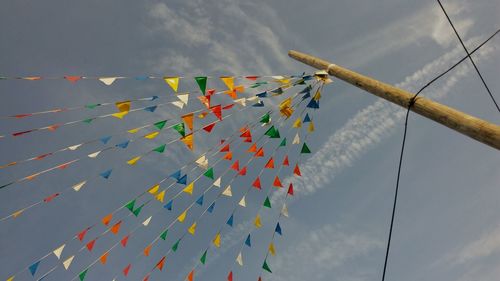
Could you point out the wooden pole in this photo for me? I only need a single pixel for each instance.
(476, 128)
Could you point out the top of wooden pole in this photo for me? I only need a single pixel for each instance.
(476, 128)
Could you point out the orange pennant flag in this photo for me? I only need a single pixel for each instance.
(228, 156)
(147, 250)
(104, 258)
(270, 164)
(115, 228)
(277, 182)
(190, 276)
(253, 148)
(296, 170)
(107, 219)
(188, 119)
(160, 264)
(260, 152)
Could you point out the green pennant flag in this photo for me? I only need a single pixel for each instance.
(160, 148)
(203, 258)
(266, 267)
(283, 142)
(88, 120)
(130, 205)
(160, 124)
(305, 149)
(180, 129)
(267, 202)
(137, 211)
(272, 132)
(82, 274)
(265, 119)
(92, 106)
(202, 83)
(176, 245)
(164, 234)
(209, 173)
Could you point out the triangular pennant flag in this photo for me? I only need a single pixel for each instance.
(208, 128)
(189, 189)
(290, 189)
(90, 245)
(57, 252)
(202, 83)
(192, 228)
(127, 269)
(225, 148)
(130, 205)
(164, 234)
(34, 267)
(176, 245)
(168, 206)
(239, 259)
(161, 263)
(151, 108)
(154, 189)
(203, 258)
(81, 235)
(270, 164)
(228, 191)
(257, 222)
(180, 129)
(116, 227)
(265, 118)
(67, 262)
(133, 160)
(217, 182)
(260, 152)
(183, 98)
(252, 148)
(283, 142)
(242, 202)
(74, 147)
(120, 115)
(190, 276)
(230, 220)
(272, 132)
(296, 139)
(209, 173)
(160, 124)
(217, 111)
(182, 180)
(248, 241)
(211, 208)
(271, 249)
(313, 103)
(78, 186)
(307, 118)
(297, 123)
(72, 79)
(188, 119)
(108, 80)
(265, 266)
(104, 258)
(216, 240)
(146, 222)
(176, 175)
(236, 166)
(228, 81)
(123, 144)
(230, 276)
(277, 182)
(105, 140)
(202, 162)
(267, 203)
(188, 140)
(173, 82)
(147, 250)
(278, 229)
(296, 170)
(83, 274)
(152, 135)
(241, 101)
(305, 149)
(124, 241)
(285, 161)
(179, 104)
(106, 173)
(243, 171)
(182, 216)
(310, 128)
(160, 149)
(199, 201)
(137, 211)
(284, 211)
(256, 183)
(205, 100)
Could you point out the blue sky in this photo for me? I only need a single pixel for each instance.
(447, 225)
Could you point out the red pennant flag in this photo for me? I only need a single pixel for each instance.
(90, 245)
(210, 92)
(48, 199)
(270, 164)
(260, 279)
(285, 161)
(256, 183)
(160, 264)
(249, 139)
(230, 276)
(277, 182)
(107, 219)
(127, 269)
(225, 148)
(252, 148)
(53, 127)
(208, 128)
(253, 78)
(296, 170)
(146, 278)
(115, 228)
(39, 157)
(217, 111)
(104, 258)
(290, 189)
(236, 166)
(243, 171)
(191, 275)
(22, 115)
(246, 134)
(229, 106)
(260, 152)
(72, 79)
(124, 241)
(81, 235)
(63, 166)
(22, 133)
(228, 156)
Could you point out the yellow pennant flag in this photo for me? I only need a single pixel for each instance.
(188, 140)
(192, 228)
(11, 278)
(271, 249)
(217, 240)
(285, 107)
(173, 82)
(188, 119)
(160, 196)
(151, 135)
(182, 216)
(120, 115)
(123, 106)
(297, 123)
(189, 188)
(229, 81)
(257, 222)
(17, 213)
(310, 129)
(154, 189)
(317, 96)
(133, 131)
(133, 160)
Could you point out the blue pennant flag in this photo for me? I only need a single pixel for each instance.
(313, 104)
(278, 229)
(307, 118)
(248, 242)
(262, 95)
(105, 139)
(230, 220)
(306, 90)
(154, 97)
(151, 108)
(211, 208)
(307, 77)
(123, 144)
(33, 268)
(106, 173)
(259, 104)
(306, 96)
(200, 201)
(176, 175)
(277, 91)
(168, 206)
(182, 180)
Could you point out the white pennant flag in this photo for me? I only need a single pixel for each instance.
(77, 186)
(217, 182)
(296, 139)
(284, 211)
(239, 259)
(74, 147)
(242, 202)
(183, 98)
(242, 101)
(252, 98)
(67, 262)
(202, 162)
(57, 252)
(107, 80)
(179, 104)
(94, 155)
(146, 222)
(228, 191)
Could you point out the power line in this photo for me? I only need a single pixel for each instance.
(468, 55)
(412, 101)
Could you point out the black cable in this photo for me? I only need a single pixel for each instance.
(468, 55)
(410, 104)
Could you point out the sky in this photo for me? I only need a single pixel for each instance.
(446, 226)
